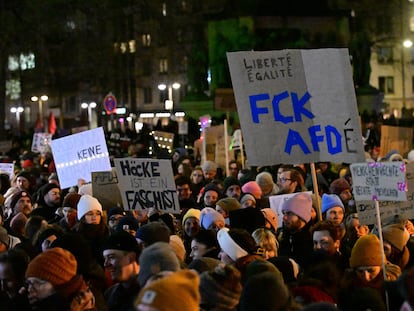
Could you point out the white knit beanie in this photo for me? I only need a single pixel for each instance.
(86, 204)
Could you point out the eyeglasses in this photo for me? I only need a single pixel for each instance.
(35, 283)
(284, 179)
(55, 193)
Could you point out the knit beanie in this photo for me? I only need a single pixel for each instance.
(127, 223)
(24, 174)
(155, 258)
(366, 252)
(47, 187)
(287, 266)
(212, 187)
(122, 241)
(153, 232)
(18, 223)
(209, 216)
(176, 292)
(17, 196)
(85, 189)
(230, 181)
(192, 212)
(300, 204)
(221, 288)
(71, 200)
(264, 291)
(237, 243)
(253, 188)
(208, 238)
(396, 235)
(331, 200)
(270, 217)
(339, 185)
(247, 196)
(86, 204)
(229, 204)
(55, 265)
(177, 245)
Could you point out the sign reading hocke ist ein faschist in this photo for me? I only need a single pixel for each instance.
(296, 106)
(147, 183)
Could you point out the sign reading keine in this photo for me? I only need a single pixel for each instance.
(297, 106)
(147, 183)
(379, 181)
(78, 155)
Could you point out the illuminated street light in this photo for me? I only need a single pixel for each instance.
(89, 106)
(40, 101)
(17, 111)
(169, 102)
(407, 43)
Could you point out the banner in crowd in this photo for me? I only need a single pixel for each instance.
(276, 202)
(215, 145)
(297, 106)
(164, 139)
(389, 209)
(41, 141)
(105, 188)
(147, 183)
(78, 155)
(395, 138)
(7, 168)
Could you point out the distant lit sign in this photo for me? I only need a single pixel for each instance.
(110, 104)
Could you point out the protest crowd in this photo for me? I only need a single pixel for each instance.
(226, 249)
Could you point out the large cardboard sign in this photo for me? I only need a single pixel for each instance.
(147, 183)
(297, 106)
(41, 141)
(276, 202)
(105, 189)
(216, 145)
(78, 155)
(395, 138)
(379, 181)
(389, 209)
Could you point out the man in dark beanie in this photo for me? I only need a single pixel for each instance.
(48, 201)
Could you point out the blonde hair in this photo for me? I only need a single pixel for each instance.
(266, 239)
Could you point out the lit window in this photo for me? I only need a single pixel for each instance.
(27, 61)
(146, 39)
(386, 84)
(13, 89)
(131, 44)
(385, 55)
(13, 63)
(163, 65)
(123, 47)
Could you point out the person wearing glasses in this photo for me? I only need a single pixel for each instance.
(291, 181)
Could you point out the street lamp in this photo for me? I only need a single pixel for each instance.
(40, 100)
(169, 102)
(17, 111)
(89, 106)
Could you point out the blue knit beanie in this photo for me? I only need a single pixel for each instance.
(331, 200)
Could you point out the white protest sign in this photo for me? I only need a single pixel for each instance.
(297, 106)
(41, 141)
(147, 183)
(78, 155)
(379, 181)
(276, 202)
(389, 209)
(7, 168)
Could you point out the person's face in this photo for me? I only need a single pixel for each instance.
(22, 183)
(183, 191)
(387, 249)
(70, 215)
(233, 169)
(217, 225)
(23, 205)
(8, 282)
(286, 183)
(224, 258)
(322, 241)
(114, 220)
(119, 264)
(210, 174)
(234, 191)
(52, 198)
(175, 156)
(180, 169)
(248, 203)
(197, 249)
(210, 198)
(292, 222)
(222, 211)
(197, 176)
(268, 253)
(93, 217)
(38, 289)
(335, 214)
(360, 230)
(191, 226)
(346, 196)
(367, 273)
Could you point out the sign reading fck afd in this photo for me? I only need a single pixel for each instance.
(297, 106)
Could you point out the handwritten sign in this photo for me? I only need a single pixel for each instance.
(297, 106)
(389, 209)
(7, 168)
(78, 155)
(147, 183)
(105, 188)
(276, 202)
(379, 181)
(41, 141)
